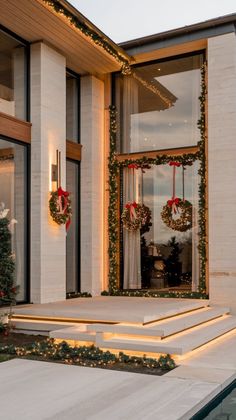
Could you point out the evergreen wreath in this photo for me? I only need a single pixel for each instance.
(135, 216)
(60, 207)
(184, 210)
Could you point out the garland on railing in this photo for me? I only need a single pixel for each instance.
(97, 39)
(113, 222)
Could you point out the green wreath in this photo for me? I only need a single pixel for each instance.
(60, 207)
(181, 207)
(135, 216)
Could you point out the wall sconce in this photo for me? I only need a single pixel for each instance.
(56, 171)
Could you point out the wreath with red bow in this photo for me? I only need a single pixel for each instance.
(135, 216)
(177, 214)
(60, 207)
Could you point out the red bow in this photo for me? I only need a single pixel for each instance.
(174, 202)
(175, 164)
(63, 206)
(133, 166)
(131, 207)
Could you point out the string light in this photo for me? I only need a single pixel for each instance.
(85, 355)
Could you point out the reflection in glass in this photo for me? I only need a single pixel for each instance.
(158, 106)
(72, 239)
(13, 195)
(72, 108)
(148, 257)
(12, 77)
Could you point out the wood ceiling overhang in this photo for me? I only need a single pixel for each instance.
(33, 21)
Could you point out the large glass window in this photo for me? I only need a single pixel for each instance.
(156, 256)
(13, 196)
(72, 107)
(72, 239)
(158, 105)
(13, 77)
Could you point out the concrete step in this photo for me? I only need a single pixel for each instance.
(176, 345)
(40, 327)
(74, 333)
(164, 328)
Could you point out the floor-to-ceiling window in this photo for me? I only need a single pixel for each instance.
(73, 181)
(158, 110)
(13, 76)
(14, 152)
(13, 199)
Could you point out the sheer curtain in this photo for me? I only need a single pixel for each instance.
(132, 178)
(131, 240)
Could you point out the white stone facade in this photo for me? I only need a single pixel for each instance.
(48, 240)
(222, 169)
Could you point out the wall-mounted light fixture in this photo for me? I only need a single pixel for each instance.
(56, 171)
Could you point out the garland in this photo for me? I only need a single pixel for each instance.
(113, 222)
(85, 355)
(96, 39)
(202, 247)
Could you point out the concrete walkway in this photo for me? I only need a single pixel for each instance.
(32, 390)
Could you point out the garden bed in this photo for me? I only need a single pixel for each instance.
(37, 348)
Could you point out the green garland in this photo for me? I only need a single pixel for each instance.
(113, 222)
(97, 39)
(202, 247)
(85, 355)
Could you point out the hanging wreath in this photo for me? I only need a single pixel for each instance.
(60, 207)
(177, 214)
(135, 216)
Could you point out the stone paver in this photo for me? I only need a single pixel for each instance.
(32, 390)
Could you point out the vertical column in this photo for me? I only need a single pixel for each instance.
(92, 184)
(222, 169)
(48, 240)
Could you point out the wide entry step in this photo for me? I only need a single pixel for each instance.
(164, 328)
(177, 345)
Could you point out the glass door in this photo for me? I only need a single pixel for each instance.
(72, 239)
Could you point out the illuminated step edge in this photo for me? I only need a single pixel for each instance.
(74, 334)
(179, 344)
(163, 328)
(39, 326)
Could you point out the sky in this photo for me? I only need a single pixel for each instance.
(123, 20)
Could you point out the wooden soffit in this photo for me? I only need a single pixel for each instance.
(34, 21)
(169, 51)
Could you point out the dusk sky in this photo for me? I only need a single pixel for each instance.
(123, 20)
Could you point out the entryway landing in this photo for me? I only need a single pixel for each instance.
(111, 309)
(136, 325)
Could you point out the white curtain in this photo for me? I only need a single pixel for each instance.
(195, 229)
(131, 240)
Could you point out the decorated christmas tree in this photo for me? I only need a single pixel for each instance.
(8, 290)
